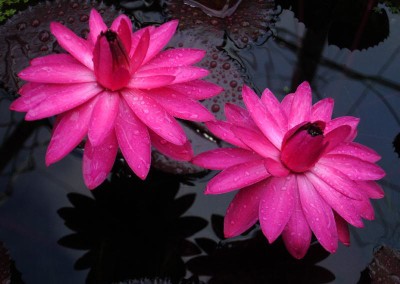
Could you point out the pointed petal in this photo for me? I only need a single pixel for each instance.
(336, 137)
(178, 152)
(286, 104)
(222, 130)
(99, 160)
(256, 141)
(63, 73)
(180, 106)
(336, 179)
(69, 132)
(262, 118)
(242, 212)
(237, 176)
(222, 158)
(74, 45)
(32, 95)
(343, 120)
(54, 59)
(276, 205)
(371, 189)
(175, 57)
(343, 230)
(340, 203)
(182, 74)
(122, 25)
(239, 116)
(301, 105)
(365, 209)
(355, 149)
(63, 98)
(273, 106)
(318, 214)
(322, 110)
(160, 37)
(150, 82)
(140, 51)
(354, 168)
(197, 89)
(297, 233)
(96, 26)
(103, 117)
(134, 141)
(155, 116)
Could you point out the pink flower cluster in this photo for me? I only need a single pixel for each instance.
(298, 171)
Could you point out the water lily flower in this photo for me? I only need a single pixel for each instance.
(119, 90)
(298, 171)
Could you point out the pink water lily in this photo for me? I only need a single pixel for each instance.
(118, 89)
(298, 171)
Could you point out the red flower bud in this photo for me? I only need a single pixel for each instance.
(303, 146)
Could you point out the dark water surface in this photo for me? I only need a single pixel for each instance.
(57, 231)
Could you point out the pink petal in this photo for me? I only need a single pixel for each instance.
(237, 176)
(273, 106)
(239, 116)
(96, 26)
(140, 51)
(29, 87)
(318, 214)
(122, 25)
(301, 105)
(354, 168)
(371, 189)
(74, 45)
(277, 205)
(256, 141)
(160, 37)
(336, 179)
(178, 152)
(176, 57)
(222, 158)
(343, 205)
(297, 233)
(276, 168)
(222, 130)
(155, 116)
(322, 110)
(262, 117)
(242, 212)
(54, 59)
(180, 106)
(103, 117)
(336, 137)
(182, 74)
(134, 140)
(343, 230)
(365, 209)
(32, 95)
(286, 104)
(98, 160)
(62, 98)
(150, 82)
(355, 149)
(69, 132)
(343, 120)
(65, 73)
(197, 89)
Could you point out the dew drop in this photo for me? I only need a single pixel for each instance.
(35, 23)
(44, 36)
(70, 19)
(44, 48)
(84, 18)
(215, 108)
(213, 64)
(226, 66)
(233, 84)
(74, 5)
(21, 26)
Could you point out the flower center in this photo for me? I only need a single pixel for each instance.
(303, 145)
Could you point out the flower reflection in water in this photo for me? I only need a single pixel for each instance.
(298, 170)
(132, 229)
